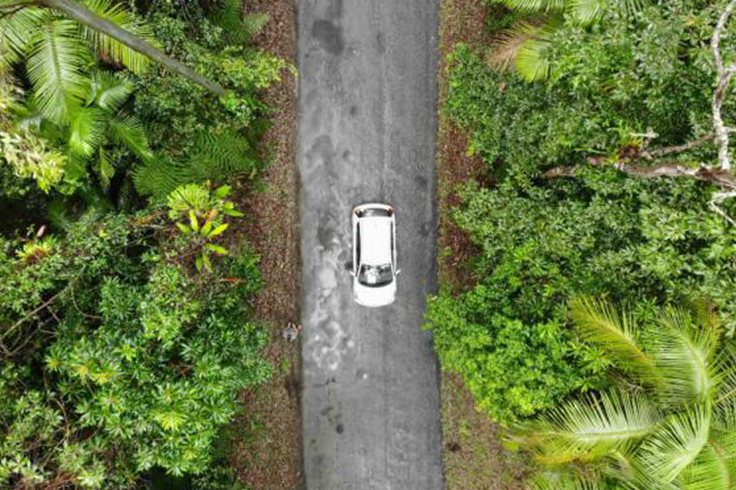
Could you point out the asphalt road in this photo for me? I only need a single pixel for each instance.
(367, 124)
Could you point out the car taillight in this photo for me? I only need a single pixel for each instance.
(390, 211)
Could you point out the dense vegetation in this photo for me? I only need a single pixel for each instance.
(570, 210)
(126, 333)
(669, 423)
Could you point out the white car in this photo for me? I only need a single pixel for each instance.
(374, 255)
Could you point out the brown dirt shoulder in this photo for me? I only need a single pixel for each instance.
(267, 436)
(473, 456)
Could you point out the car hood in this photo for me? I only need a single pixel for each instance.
(374, 297)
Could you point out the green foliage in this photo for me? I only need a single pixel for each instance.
(544, 240)
(144, 362)
(204, 212)
(31, 157)
(118, 358)
(648, 436)
(513, 369)
(197, 138)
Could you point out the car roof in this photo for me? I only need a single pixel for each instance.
(375, 240)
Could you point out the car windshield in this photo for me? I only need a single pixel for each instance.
(375, 275)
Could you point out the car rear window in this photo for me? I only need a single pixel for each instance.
(375, 212)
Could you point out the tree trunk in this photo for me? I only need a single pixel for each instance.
(83, 15)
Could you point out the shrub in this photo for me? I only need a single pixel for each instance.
(144, 363)
(542, 240)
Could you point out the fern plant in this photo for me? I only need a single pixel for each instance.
(238, 29)
(215, 156)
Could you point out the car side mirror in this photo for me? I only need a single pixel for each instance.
(398, 271)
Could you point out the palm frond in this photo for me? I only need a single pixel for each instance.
(684, 354)
(112, 48)
(587, 429)
(535, 6)
(508, 43)
(109, 91)
(676, 445)
(598, 322)
(56, 63)
(16, 33)
(585, 11)
(725, 405)
(105, 168)
(566, 481)
(128, 131)
(715, 466)
(86, 130)
(533, 59)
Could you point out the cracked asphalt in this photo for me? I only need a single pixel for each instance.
(367, 126)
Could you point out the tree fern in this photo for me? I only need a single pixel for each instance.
(222, 154)
(238, 29)
(56, 63)
(215, 156)
(159, 177)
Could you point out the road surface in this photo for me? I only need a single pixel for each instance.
(367, 124)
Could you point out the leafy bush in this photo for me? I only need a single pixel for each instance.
(195, 136)
(544, 240)
(142, 366)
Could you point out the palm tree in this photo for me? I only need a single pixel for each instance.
(526, 43)
(92, 127)
(54, 38)
(668, 424)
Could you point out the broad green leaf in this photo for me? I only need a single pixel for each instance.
(217, 249)
(219, 230)
(193, 222)
(222, 191)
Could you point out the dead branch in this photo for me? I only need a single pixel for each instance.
(719, 197)
(706, 174)
(723, 79)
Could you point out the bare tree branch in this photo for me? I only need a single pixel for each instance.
(719, 197)
(707, 174)
(723, 79)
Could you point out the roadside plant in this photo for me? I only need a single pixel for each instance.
(200, 214)
(114, 359)
(667, 422)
